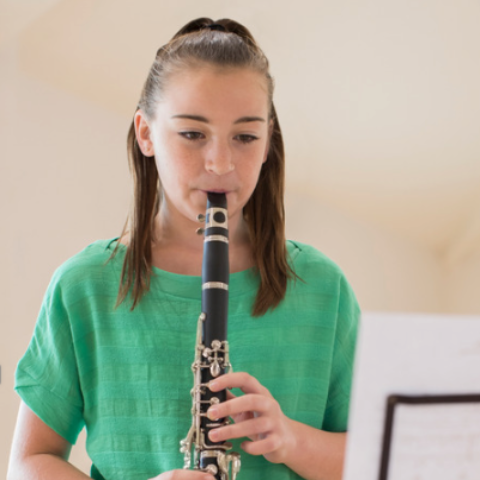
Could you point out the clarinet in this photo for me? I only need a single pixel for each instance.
(211, 349)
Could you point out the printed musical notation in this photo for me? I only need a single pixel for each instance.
(432, 437)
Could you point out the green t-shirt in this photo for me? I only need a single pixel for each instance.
(126, 375)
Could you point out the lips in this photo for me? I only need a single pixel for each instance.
(216, 190)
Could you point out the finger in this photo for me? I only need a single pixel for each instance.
(246, 403)
(242, 380)
(184, 475)
(241, 416)
(249, 428)
(262, 447)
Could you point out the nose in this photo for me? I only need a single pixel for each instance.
(219, 159)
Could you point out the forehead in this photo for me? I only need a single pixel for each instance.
(220, 91)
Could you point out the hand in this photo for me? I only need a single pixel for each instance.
(184, 475)
(257, 415)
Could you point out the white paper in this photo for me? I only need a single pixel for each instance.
(435, 441)
(411, 355)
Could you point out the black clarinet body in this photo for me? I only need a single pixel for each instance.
(211, 349)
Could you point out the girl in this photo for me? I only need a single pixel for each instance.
(115, 336)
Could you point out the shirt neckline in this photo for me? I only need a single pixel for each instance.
(189, 286)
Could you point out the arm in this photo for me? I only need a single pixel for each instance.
(38, 452)
(313, 454)
(317, 455)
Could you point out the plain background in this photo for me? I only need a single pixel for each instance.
(379, 106)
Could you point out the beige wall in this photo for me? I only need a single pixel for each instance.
(388, 272)
(64, 183)
(463, 286)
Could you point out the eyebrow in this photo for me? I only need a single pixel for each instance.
(199, 118)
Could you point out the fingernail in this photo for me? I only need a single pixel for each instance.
(212, 413)
(212, 384)
(213, 434)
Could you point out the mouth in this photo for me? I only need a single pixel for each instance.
(216, 190)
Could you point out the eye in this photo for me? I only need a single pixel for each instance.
(191, 135)
(246, 138)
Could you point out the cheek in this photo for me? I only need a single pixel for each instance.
(258, 159)
(250, 171)
(175, 163)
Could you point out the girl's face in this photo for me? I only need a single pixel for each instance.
(211, 133)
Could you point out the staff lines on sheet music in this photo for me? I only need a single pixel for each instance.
(429, 440)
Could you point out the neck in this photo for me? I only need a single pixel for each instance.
(172, 229)
(179, 249)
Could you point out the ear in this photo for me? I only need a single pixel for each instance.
(267, 149)
(142, 132)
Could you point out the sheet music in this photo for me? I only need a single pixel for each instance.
(435, 442)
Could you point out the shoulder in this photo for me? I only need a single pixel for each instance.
(87, 269)
(320, 275)
(90, 259)
(307, 260)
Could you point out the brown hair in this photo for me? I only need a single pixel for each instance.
(224, 43)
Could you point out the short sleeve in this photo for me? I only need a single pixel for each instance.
(47, 376)
(338, 402)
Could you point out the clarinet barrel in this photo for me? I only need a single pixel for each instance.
(211, 350)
